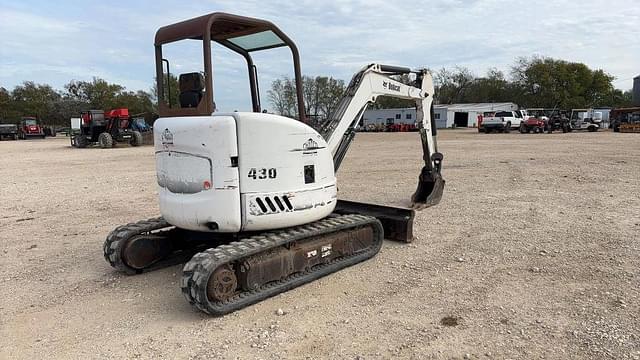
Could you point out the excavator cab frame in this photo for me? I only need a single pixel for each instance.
(243, 35)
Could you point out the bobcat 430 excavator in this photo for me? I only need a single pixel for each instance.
(254, 195)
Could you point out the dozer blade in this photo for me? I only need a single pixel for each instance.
(429, 191)
(396, 221)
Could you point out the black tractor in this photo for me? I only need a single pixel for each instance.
(105, 129)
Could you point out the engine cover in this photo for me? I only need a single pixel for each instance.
(197, 173)
(242, 172)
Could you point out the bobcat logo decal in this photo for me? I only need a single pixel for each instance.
(310, 145)
(166, 137)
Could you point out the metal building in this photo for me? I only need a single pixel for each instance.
(462, 115)
(466, 115)
(389, 116)
(636, 91)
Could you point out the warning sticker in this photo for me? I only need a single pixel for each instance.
(326, 250)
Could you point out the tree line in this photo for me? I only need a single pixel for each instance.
(532, 82)
(55, 107)
(321, 95)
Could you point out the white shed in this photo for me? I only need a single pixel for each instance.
(389, 116)
(446, 115)
(466, 115)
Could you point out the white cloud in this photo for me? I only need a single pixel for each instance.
(336, 38)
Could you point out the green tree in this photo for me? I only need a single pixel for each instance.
(64, 109)
(8, 113)
(138, 103)
(621, 98)
(493, 87)
(172, 91)
(311, 96)
(548, 82)
(329, 91)
(31, 99)
(321, 95)
(102, 95)
(282, 96)
(452, 86)
(98, 93)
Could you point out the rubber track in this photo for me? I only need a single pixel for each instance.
(118, 237)
(196, 272)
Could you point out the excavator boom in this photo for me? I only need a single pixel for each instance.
(375, 80)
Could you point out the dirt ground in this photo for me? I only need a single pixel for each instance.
(533, 253)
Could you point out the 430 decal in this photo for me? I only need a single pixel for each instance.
(262, 173)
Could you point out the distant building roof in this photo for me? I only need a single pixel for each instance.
(461, 107)
(472, 106)
(393, 109)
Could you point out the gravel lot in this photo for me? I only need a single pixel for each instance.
(532, 253)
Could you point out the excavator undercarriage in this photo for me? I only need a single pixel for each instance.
(224, 275)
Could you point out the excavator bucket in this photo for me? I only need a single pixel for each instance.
(429, 191)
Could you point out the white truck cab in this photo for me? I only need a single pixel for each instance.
(504, 121)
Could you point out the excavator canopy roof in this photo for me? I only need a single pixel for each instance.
(246, 33)
(242, 35)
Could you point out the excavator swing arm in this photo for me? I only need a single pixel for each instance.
(365, 87)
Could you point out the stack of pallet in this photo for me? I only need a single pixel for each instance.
(630, 128)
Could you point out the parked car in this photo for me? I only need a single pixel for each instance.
(503, 121)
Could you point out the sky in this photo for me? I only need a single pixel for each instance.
(53, 42)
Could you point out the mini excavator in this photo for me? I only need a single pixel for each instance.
(249, 199)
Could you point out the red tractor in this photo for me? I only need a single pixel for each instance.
(29, 128)
(105, 129)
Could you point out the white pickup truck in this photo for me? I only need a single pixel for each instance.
(504, 121)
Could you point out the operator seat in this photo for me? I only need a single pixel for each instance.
(191, 87)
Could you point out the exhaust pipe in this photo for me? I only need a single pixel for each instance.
(430, 186)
